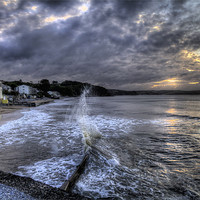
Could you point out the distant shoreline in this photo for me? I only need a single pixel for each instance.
(115, 92)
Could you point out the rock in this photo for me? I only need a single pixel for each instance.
(36, 189)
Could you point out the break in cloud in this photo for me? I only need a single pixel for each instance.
(124, 44)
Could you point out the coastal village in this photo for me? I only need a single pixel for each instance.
(24, 95)
(21, 93)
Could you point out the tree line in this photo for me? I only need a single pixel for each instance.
(65, 88)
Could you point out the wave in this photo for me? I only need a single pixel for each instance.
(183, 116)
(88, 128)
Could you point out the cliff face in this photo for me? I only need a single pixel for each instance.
(74, 88)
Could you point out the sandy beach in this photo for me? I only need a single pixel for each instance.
(9, 113)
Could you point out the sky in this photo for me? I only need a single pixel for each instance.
(118, 44)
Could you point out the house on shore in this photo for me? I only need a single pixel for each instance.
(6, 88)
(25, 89)
(54, 94)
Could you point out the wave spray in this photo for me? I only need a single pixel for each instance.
(88, 128)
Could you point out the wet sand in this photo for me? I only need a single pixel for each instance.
(10, 113)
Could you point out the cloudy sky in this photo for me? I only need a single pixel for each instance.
(122, 44)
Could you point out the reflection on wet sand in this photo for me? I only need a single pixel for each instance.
(10, 113)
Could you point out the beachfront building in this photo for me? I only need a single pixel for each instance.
(6, 88)
(54, 94)
(25, 89)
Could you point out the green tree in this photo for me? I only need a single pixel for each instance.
(44, 85)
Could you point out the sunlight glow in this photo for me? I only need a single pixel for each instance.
(8, 2)
(140, 19)
(173, 82)
(83, 8)
(157, 28)
(193, 83)
(191, 55)
(53, 18)
(78, 12)
(5, 3)
(171, 111)
(155, 86)
(172, 123)
(190, 70)
(34, 8)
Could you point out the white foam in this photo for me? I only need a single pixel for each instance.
(53, 171)
(102, 181)
(39, 126)
(18, 130)
(108, 125)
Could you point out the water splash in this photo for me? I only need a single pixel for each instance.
(88, 128)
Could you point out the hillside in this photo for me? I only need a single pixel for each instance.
(66, 88)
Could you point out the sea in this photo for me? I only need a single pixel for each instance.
(140, 147)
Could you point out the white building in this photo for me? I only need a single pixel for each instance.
(54, 94)
(25, 89)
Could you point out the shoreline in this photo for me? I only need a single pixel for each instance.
(13, 112)
(10, 113)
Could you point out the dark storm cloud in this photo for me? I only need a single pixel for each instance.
(104, 11)
(121, 8)
(178, 7)
(54, 5)
(3, 13)
(167, 40)
(125, 9)
(116, 43)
